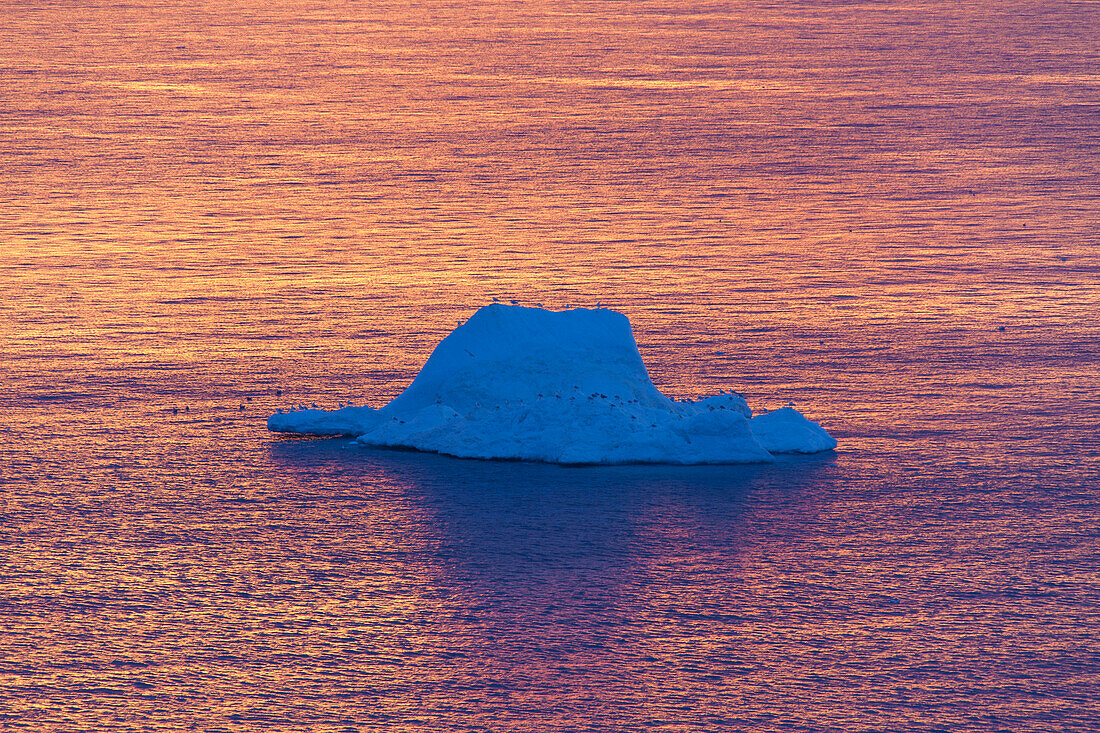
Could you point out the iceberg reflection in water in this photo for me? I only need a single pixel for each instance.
(505, 592)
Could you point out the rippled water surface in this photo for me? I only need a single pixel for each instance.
(884, 212)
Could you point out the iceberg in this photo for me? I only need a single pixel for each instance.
(564, 387)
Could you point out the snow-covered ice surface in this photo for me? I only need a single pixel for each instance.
(562, 387)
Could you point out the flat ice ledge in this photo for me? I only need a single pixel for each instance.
(561, 387)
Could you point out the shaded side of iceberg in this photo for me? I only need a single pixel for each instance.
(562, 387)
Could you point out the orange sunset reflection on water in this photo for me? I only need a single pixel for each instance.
(884, 213)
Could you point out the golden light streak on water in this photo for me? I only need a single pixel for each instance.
(210, 211)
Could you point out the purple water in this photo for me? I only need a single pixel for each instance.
(214, 211)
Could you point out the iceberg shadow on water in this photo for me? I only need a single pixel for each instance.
(566, 387)
(525, 528)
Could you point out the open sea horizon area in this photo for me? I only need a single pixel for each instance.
(884, 215)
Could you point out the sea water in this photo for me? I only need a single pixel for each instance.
(885, 213)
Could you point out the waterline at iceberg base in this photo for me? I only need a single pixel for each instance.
(561, 387)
